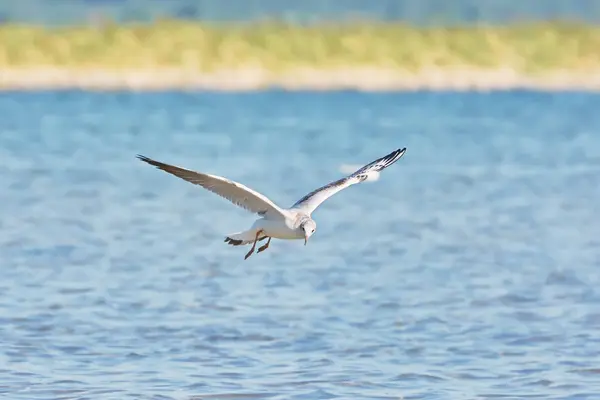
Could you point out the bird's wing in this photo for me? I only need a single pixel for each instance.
(312, 200)
(235, 192)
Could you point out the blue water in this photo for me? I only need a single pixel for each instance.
(422, 12)
(469, 270)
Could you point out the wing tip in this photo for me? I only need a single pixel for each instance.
(148, 160)
(143, 158)
(400, 152)
(395, 156)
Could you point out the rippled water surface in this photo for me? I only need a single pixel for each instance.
(469, 270)
(68, 12)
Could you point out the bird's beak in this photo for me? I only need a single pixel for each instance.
(305, 240)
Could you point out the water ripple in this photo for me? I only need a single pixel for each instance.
(467, 271)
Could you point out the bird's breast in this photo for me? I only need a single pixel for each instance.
(279, 229)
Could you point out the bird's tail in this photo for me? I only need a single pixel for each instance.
(243, 238)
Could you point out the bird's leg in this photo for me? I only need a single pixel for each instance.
(253, 245)
(265, 246)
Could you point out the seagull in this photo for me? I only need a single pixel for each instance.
(275, 222)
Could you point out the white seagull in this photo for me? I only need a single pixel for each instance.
(275, 222)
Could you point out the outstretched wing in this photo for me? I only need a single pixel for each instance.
(235, 192)
(312, 200)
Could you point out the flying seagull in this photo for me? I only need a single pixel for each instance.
(275, 222)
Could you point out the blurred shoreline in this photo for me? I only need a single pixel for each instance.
(365, 79)
(361, 55)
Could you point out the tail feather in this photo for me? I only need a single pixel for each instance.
(243, 238)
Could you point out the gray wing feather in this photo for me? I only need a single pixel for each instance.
(312, 200)
(235, 192)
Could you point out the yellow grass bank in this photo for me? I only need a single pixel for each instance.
(360, 55)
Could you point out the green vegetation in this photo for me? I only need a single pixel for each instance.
(276, 47)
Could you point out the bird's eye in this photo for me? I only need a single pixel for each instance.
(312, 231)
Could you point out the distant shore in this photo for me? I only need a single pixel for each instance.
(464, 79)
(370, 56)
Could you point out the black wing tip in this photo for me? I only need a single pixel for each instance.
(152, 162)
(143, 158)
(398, 153)
(394, 156)
(148, 160)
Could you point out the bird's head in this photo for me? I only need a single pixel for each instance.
(309, 228)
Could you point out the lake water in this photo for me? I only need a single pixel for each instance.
(469, 270)
(421, 12)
